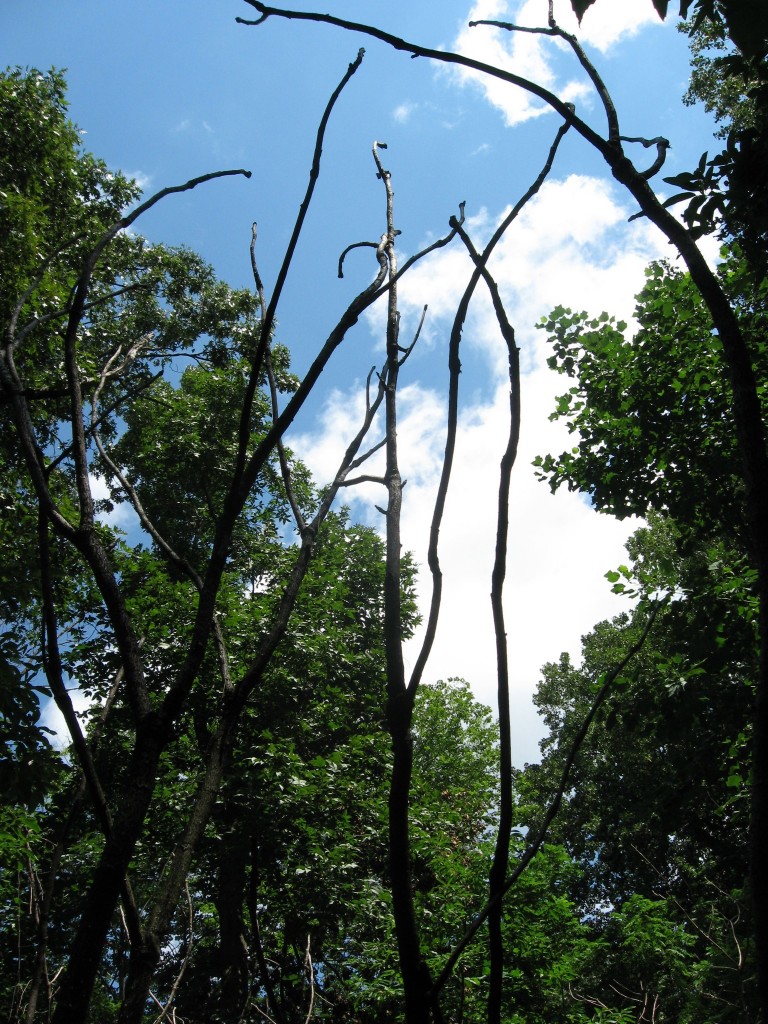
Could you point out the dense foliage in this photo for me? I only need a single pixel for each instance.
(657, 813)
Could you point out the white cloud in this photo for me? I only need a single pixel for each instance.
(585, 254)
(142, 180)
(533, 56)
(606, 24)
(571, 245)
(559, 547)
(188, 125)
(122, 516)
(404, 111)
(51, 718)
(559, 550)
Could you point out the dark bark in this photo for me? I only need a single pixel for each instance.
(160, 917)
(100, 903)
(750, 433)
(232, 852)
(416, 982)
(501, 853)
(154, 729)
(500, 864)
(265, 978)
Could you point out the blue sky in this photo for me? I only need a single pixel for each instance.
(166, 90)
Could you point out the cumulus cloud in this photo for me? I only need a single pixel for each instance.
(559, 547)
(559, 550)
(537, 57)
(122, 516)
(403, 112)
(142, 180)
(51, 718)
(607, 24)
(571, 246)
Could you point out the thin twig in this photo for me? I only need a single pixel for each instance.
(285, 469)
(407, 351)
(309, 967)
(354, 245)
(661, 144)
(268, 319)
(185, 961)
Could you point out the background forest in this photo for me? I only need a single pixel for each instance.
(264, 811)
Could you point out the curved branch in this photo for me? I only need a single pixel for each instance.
(454, 369)
(557, 32)
(565, 110)
(661, 144)
(504, 831)
(268, 319)
(354, 245)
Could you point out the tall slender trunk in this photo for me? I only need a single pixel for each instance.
(500, 864)
(414, 972)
